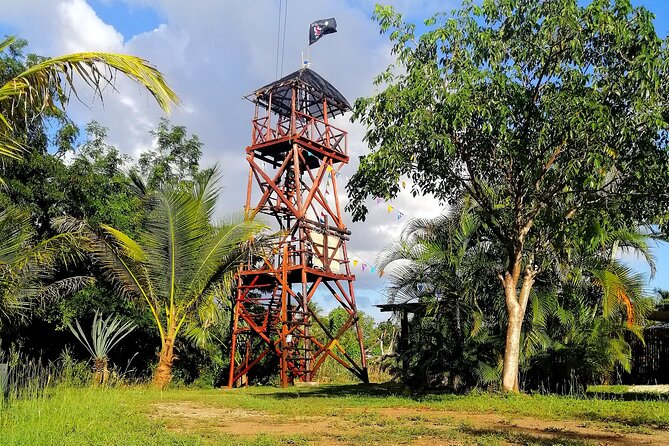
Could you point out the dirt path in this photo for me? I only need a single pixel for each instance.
(413, 426)
(481, 423)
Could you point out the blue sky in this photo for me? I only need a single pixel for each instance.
(213, 52)
(130, 20)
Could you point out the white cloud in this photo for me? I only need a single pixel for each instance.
(80, 29)
(215, 52)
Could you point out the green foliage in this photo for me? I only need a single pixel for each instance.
(551, 116)
(446, 265)
(105, 334)
(575, 326)
(28, 265)
(44, 88)
(98, 189)
(176, 157)
(32, 378)
(523, 105)
(179, 265)
(349, 340)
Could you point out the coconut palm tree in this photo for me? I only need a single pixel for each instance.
(445, 263)
(180, 264)
(45, 88)
(578, 318)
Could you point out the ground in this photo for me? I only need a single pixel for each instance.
(326, 415)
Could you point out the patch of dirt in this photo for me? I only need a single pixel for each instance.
(188, 417)
(442, 427)
(485, 423)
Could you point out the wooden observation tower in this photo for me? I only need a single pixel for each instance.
(294, 157)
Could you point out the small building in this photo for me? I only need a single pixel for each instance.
(404, 311)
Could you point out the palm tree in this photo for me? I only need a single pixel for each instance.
(27, 265)
(46, 87)
(584, 302)
(578, 318)
(180, 265)
(445, 263)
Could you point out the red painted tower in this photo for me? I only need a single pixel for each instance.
(294, 158)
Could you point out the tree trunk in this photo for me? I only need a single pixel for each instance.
(163, 374)
(516, 304)
(512, 350)
(100, 371)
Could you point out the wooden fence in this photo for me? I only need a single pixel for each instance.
(650, 362)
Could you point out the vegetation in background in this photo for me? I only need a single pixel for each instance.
(176, 157)
(28, 264)
(574, 330)
(44, 88)
(59, 176)
(180, 265)
(550, 115)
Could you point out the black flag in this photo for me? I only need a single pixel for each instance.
(320, 28)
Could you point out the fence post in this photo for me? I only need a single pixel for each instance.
(4, 380)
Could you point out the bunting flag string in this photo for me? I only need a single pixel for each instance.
(379, 200)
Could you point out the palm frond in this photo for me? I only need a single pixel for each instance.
(46, 87)
(43, 86)
(105, 334)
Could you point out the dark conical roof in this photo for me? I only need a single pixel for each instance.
(312, 88)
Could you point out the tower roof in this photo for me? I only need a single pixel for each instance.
(313, 89)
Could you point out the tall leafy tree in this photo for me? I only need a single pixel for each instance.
(176, 156)
(92, 185)
(578, 313)
(547, 113)
(179, 264)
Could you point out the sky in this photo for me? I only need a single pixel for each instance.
(214, 52)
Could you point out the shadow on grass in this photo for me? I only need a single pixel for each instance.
(529, 437)
(633, 421)
(343, 390)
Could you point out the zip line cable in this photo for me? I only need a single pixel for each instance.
(283, 44)
(278, 39)
(281, 38)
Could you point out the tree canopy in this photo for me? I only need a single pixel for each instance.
(552, 116)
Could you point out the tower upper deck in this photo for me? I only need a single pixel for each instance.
(298, 108)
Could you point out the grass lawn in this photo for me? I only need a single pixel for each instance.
(324, 415)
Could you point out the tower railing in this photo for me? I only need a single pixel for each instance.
(266, 129)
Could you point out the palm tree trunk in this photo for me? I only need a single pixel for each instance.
(163, 374)
(100, 371)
